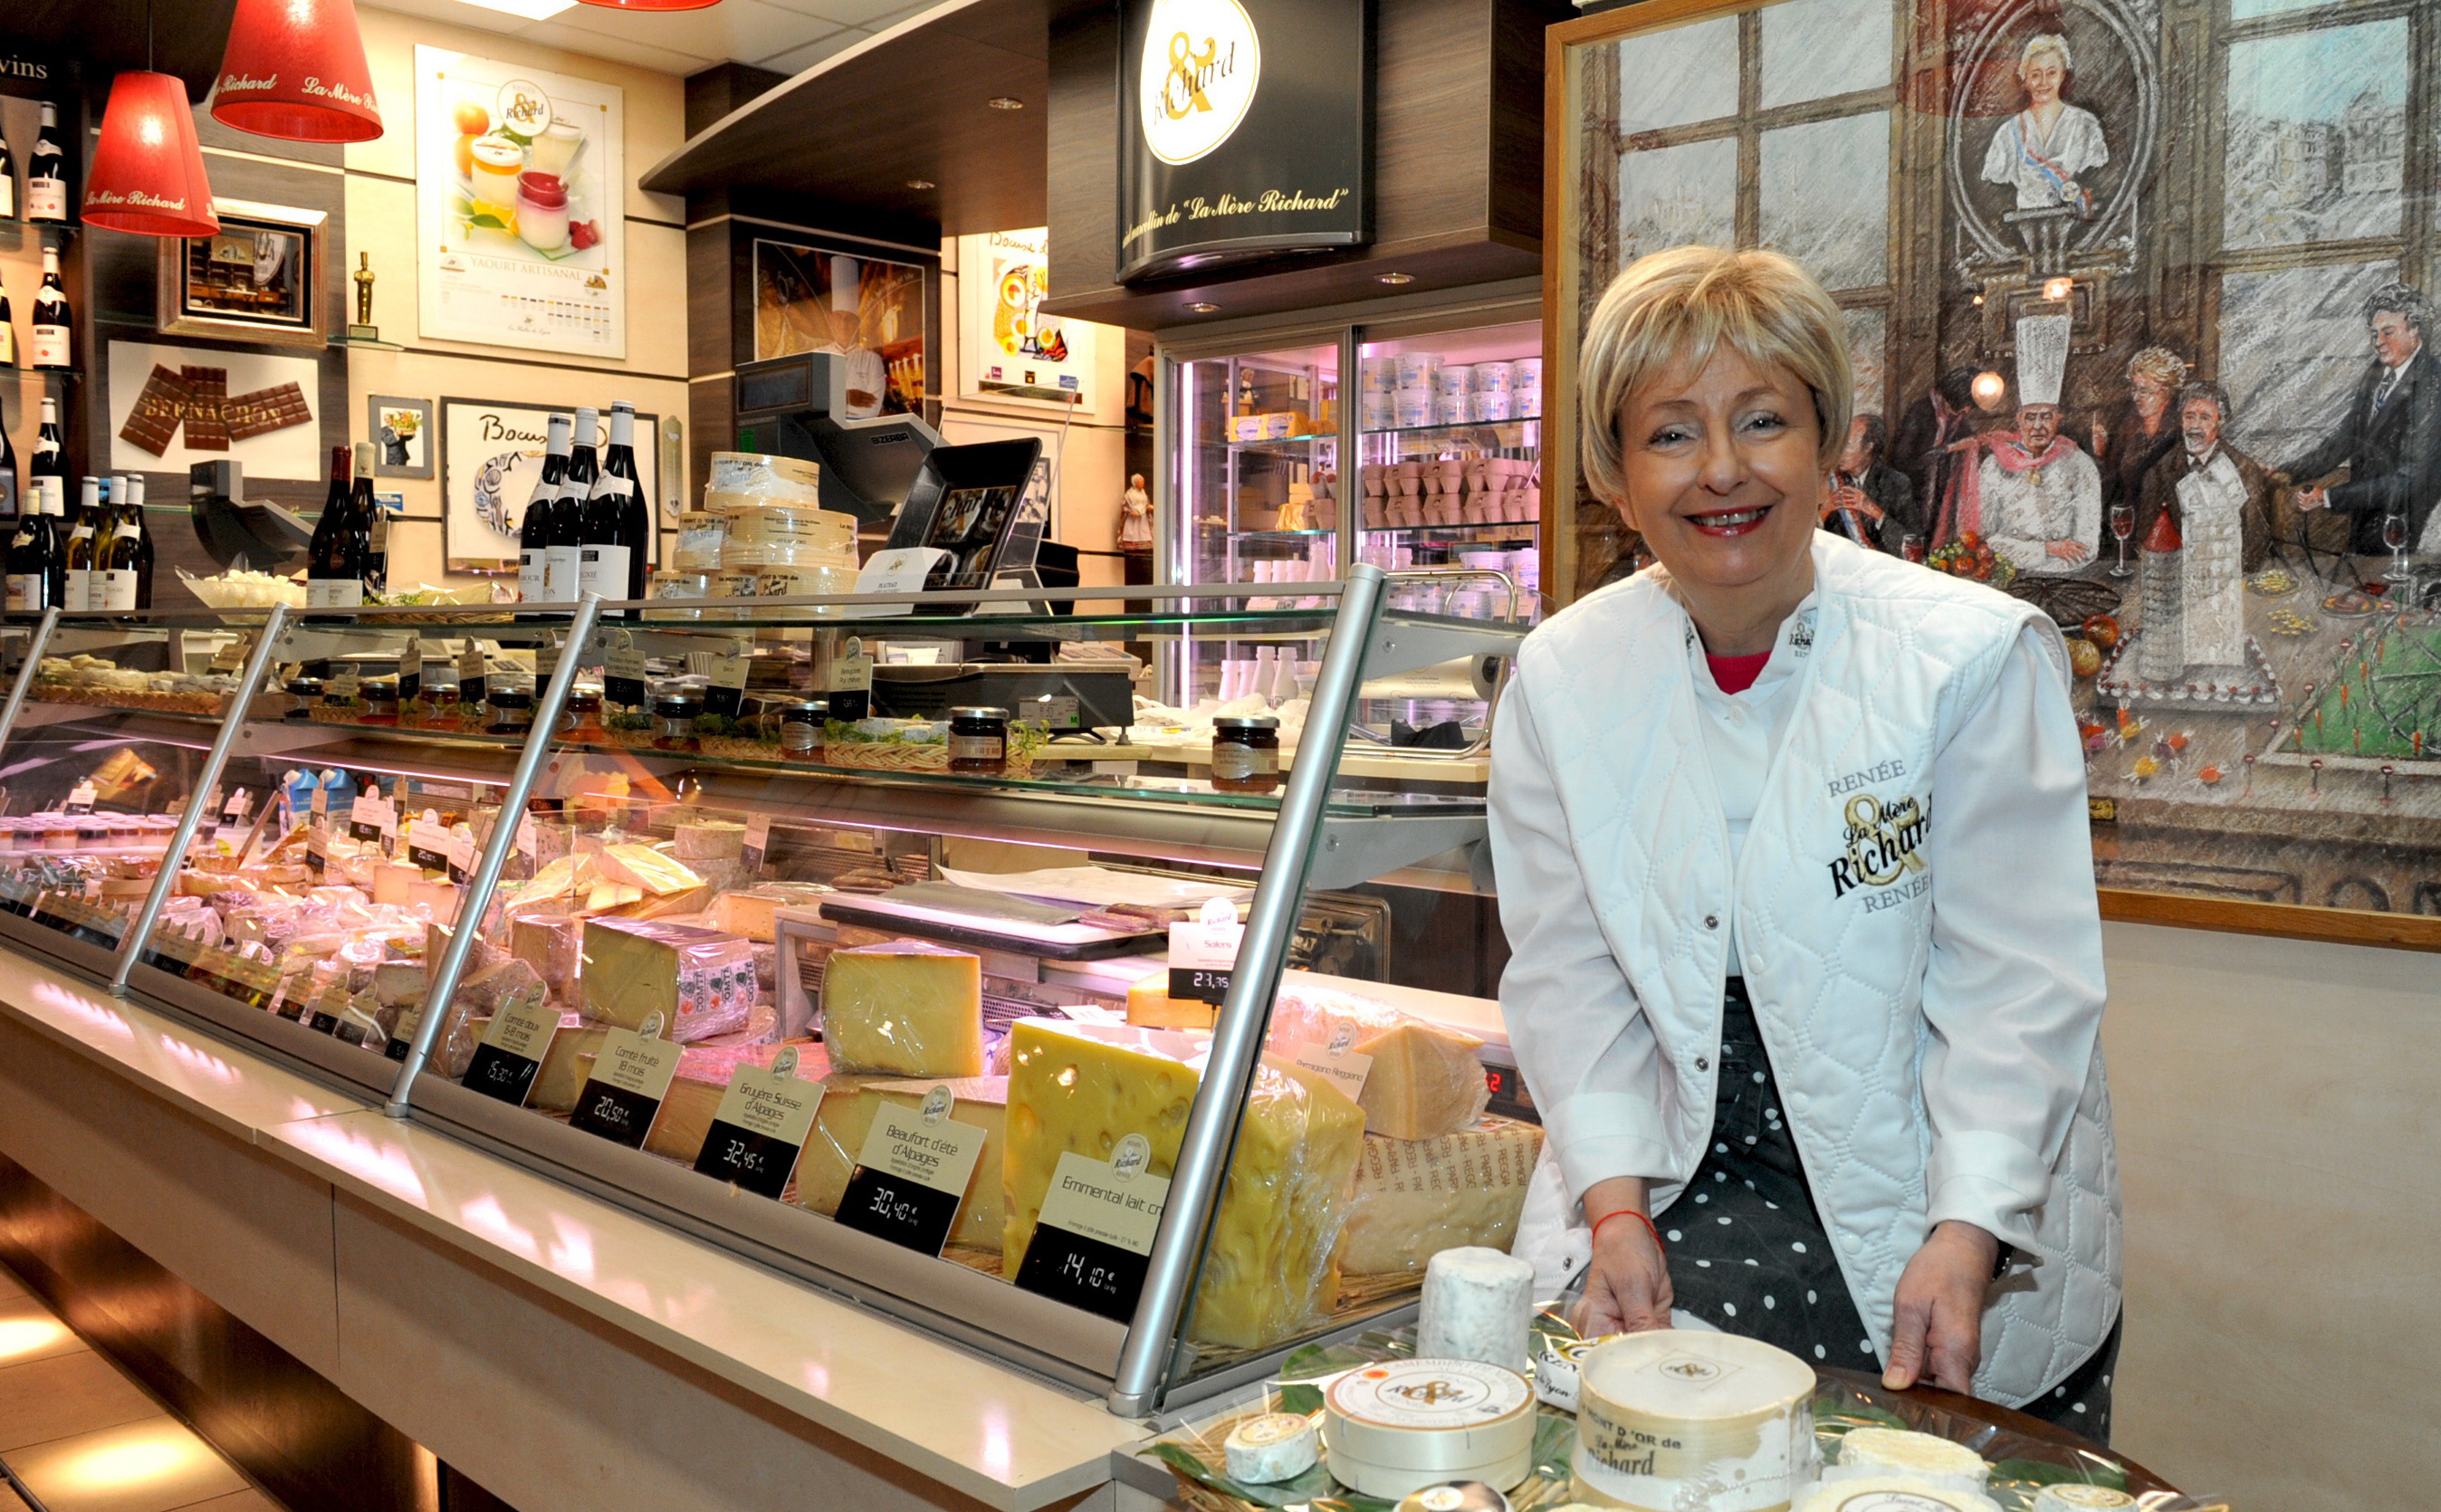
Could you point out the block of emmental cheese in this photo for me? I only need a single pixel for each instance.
(905, 1007)
(700, 981)
(1424, 1081)
(1150, 1006)
(695, 1096)
(1269, 1265)
(1416, 1197)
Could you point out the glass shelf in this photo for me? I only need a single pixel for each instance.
(1496, 526)
(1460, 431)
(1284, 446)
(20, 224)
(23, 374)
(356, 343)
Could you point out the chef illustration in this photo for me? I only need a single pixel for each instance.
(868, 377)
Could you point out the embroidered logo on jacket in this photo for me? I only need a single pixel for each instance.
(1884, 845)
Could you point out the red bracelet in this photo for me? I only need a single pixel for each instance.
(1631, 1212)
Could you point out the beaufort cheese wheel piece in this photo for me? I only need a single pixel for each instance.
(1150, 1006)
(1892, 1493)
(1271, 1446)
(981, 1101)
(710, 840)
(1478, 1304)
(1416, 1197)
(552, 943)
(1270, 1266)
(1395, 1428)
(2078, 1497)
(907, 1007)
(1425, 1081)
(1895, 1452)
(1675, 1416)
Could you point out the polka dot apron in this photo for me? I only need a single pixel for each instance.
(1749, 1254)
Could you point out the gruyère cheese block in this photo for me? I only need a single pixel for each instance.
(709, 840)
(1478, 1305)
(553, 945)
(905, 1007)
(1416, 1197)
(1270, 1447)
(1892, 1493)
(1675, 1416)
(699, 981)
(1150, 1006)
(1270, 1262)
(695, 1094)
(2075, 1496)
(1425, 1080)
(1895, 1452)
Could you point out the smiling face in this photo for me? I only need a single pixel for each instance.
(2199, 423)
(1723, 475)
(2152, 395)
(2393, 339)
(2043, 75)
(2037, 424)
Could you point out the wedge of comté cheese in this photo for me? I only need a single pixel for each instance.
(1416, 1197)
(1425, 1080)
(1269, 1265)
(700, 981)
(904, 1007)
(1150, 1006)
(849, 1103)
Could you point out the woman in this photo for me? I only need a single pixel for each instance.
(1782, 825)
(2041, 150)
(2143, 435)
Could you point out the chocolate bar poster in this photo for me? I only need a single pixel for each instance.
(173, 406)
(520, 180)
(491, 455)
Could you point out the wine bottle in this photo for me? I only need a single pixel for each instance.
(371, 524)
(33, 555)
(47, 172)
(8, 327)
(533, 527)
(51, 345)
(8, 180)
(122, 551)
(48, 477)
(143, 550)
(334, 557)
(12, 502)
(563, 557)
(636, 512)
(80, 539)
(608, 563)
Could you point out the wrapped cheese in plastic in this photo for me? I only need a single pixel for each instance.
(1416, 1197)
(1270, 1268)
(1424, 1081)
(850, 1102)
(905, 1007)
(700, 981)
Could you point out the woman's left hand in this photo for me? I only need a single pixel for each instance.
(1937, 1330)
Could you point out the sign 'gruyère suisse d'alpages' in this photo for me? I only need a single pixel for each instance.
(1248, 132)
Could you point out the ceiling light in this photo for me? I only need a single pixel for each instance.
(921, 184)
(1204, 307)
(1005, 102)
(295, 69)
(148, 169)
(1395, 278)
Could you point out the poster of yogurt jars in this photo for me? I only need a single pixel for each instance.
(520, 228)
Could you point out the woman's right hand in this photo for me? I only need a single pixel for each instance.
(1627, 1282)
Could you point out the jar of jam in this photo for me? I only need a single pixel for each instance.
(1245, 753)
(303, 694)
(581, 719)
(381, 700)
(979, 741)
(511, 712)
(801, 729)
(674, 722)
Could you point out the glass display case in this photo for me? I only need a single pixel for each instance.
(889, 974)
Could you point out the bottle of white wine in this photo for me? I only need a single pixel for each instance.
(47, 172)
(81, 547)
(122, 555)
(52, 344)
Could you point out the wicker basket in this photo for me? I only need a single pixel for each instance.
(897, 756)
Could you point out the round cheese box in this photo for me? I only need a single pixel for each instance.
(1663, 1416)
(1402, 1425)
(1892, 1493)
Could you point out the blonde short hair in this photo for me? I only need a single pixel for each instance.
(1668, 313)
(2048, 42)
(2160, 363)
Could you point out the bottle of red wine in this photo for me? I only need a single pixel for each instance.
(533, 527)
(371, 524)
(8, 318)
(48, 475)
(47, 172)
(8, 180)
(52, 348)
(34, 562)
(334, 559)
(612, 561)
(12, 502)
(564, 564)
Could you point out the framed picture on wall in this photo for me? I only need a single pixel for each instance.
(491, 457)
(2104, 268)
(258, 278)
(401, 430)
(874, 306)
(1008, 350)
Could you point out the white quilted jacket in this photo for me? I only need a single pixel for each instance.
(1835, 898)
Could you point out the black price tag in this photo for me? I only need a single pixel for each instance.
(900, 1211)
(505, 1064)
(1198, 986)
(760, 1126)
(471, 668)
(617, 1114)
(630, 1078)
(912, 1174)
(323, 1021)
(622, 677)
(727, 692)
(1101, 1278)
(757, 1162)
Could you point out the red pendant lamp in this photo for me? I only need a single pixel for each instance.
(148, 169)
(295, 69)
(651, 4)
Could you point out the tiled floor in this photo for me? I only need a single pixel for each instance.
(82, 1437)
